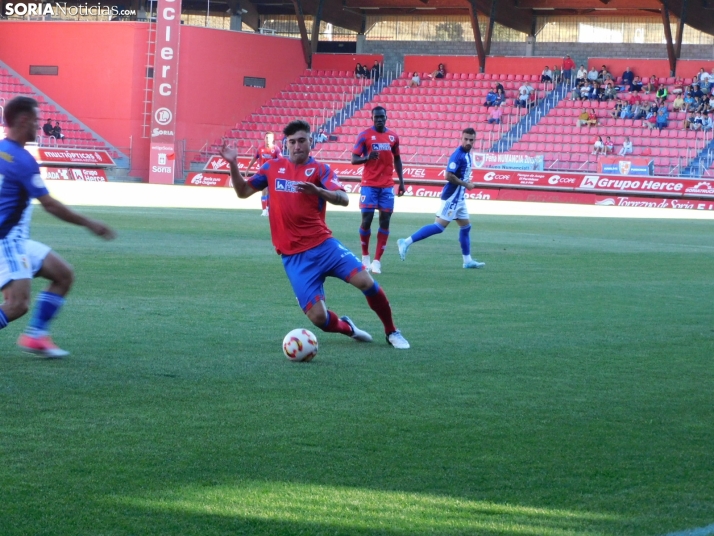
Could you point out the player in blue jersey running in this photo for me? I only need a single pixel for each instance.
(453, 203)
(21, 259)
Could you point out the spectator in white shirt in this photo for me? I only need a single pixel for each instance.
(546, 75)
(593, 74)
(626, 147)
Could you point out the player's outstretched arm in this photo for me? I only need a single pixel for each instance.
(335, 197)
(64, 213)
(242, 188)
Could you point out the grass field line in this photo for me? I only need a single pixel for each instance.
(117, 194)
(702, 531)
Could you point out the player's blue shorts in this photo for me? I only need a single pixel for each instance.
(372, 198)
(307, 270)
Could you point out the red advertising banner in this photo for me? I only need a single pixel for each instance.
(208, 179)
(71, 157)
(534, 180)
(74, 174)
(163, 117)
(414, 190)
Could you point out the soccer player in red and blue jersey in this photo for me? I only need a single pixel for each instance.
(378, 149)
(269, 151)
(299, 189)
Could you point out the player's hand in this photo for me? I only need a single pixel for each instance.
(470, 186)
(101, 230)
(374, 155)
(228, 154)
(308, 188)
(401, 190)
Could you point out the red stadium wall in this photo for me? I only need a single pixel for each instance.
(641, 68)
(105, 90)
(344, 62)
(469, 64)
(688, 68)
(212, 64)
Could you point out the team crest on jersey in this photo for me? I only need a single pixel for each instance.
(281, 170)
(391, 138)
(309, 172)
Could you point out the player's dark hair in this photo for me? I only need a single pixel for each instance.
(296, 126)
(469, 131)
(376, 108)
(17, 107)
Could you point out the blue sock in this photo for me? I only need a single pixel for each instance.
(3, 319)
(371, 291)
(465, 240)
(46, 308)
(427, 231)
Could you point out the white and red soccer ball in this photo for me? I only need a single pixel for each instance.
(300, 345)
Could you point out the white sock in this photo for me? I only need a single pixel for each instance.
(467, 258)
(408, 241)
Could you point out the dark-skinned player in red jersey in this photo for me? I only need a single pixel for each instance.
(299, 189)
(378, 149)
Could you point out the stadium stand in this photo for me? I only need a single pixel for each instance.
(75, 135)
(567, 147)
(315, 97)
(429, 118)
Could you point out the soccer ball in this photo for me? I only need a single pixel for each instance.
(300, 345)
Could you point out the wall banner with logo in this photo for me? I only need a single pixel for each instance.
(162, 158)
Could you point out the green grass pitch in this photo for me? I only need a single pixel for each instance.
(566, 389)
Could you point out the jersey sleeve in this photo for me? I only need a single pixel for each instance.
(277, 153)
(259, 181)
(329, 179)
(32, 180)
(360, 148)
(395, 146)
(455, 163)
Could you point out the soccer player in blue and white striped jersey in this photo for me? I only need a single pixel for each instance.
(453, 204)
(21, 259)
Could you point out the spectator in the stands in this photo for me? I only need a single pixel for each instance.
(603, 74)
(650, 120)
(610, 92)
(697, 91)
(495, 115)
(557, 75)
(707, 121)
(678, 104)
(592, 74)
(592, 118)
(636, 85)
(617, 110)
(688, 122)
(582, 120)
(47, 128)
(497, 85)
(626, 147)
(679, 87)
(546, 75)
(523, 99)
(628, 77)
(638, 112)
(609, 145)
(439, 73)
(360, 71)
(595, 91)
(704, 78)
(527, 87)
(651, 85)
(376, 71)
(415, 81)
(661, 94)
(581, 76)
(500, 96)
(599, 146)
(585, 91)
(320, 137)
(626, 112)
(57, 131)
(568, 66)
(491, 98)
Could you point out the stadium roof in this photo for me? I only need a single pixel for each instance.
(517, 14)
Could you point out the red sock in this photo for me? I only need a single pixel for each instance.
(364, 235)
(382, 237)
(379, 303)
(335, 325)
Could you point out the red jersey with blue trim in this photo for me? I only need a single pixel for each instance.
(297, 220)
(265, 154)
(378, 173)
